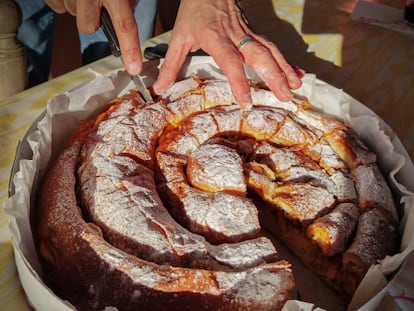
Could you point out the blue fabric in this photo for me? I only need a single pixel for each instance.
(38, 27)
(36, 34)
(95, 46)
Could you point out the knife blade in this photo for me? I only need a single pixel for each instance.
(142, 88)
(109, 31)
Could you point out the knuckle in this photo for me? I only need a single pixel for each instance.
(87, 28)
(261, 52)
(126, 24)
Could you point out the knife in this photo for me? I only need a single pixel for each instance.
(109, 31)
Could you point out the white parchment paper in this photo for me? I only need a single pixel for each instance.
(388, 282)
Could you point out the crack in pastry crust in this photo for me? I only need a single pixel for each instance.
(162, 205)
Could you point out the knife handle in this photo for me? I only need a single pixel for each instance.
(156, 52)
(109, 31)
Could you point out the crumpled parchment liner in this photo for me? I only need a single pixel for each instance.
(49, 134)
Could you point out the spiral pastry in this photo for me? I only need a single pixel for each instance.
(163, 206)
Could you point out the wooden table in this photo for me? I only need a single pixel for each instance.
(371, 63)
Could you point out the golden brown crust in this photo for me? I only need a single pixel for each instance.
(375, 238)
(328, 268)
(333, 231)
(85, 269)
(373, 191)
(215, 168)
(172, 192)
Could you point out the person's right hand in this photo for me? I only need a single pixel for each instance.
(88, 14)
(218, 27)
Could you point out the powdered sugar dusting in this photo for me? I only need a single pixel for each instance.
(179, 88)
(170, 189)
(216, 168)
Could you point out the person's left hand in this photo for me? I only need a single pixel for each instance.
(217, 27)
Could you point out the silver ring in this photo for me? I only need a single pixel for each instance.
(243, 42)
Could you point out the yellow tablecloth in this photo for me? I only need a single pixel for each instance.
(371, 63)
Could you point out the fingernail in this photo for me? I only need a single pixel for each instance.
(134, 68)
(156, 88)
(294, 80)
(292, 77)
(286, 92)
(245, 102)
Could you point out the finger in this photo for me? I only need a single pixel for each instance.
(127, 32)
(299, 71)
(56, 5)
(70, 6)
(291, 74)
(261, 60)
(232, 66)
(174, 59)
(231, 63)
(88, 16)
(266, 59)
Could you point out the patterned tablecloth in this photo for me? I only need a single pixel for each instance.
(372, 63)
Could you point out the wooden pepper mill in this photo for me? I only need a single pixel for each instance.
(13, 65)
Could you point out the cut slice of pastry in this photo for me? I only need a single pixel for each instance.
(176, 204)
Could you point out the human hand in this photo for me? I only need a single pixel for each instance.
(217, 27)
(88, 21)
